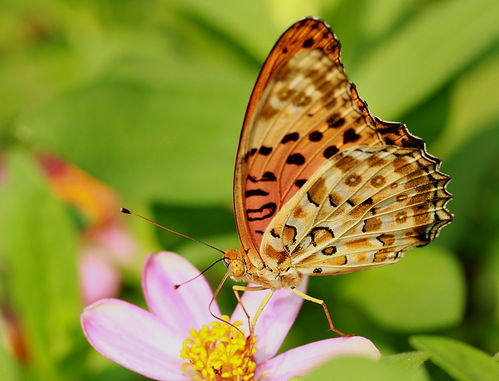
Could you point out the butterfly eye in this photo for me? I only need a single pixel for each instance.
(236, 268)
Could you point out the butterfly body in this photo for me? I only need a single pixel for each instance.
(256, 272)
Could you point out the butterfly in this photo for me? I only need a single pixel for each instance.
(322, 187)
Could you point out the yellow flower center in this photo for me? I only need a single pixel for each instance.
(219, 352)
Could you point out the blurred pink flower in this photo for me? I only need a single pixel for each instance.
(104, 251)
(99, 278)
(167, 342)
(106, 245)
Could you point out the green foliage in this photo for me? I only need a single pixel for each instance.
(7, 362)
(460, 360)
(39, 249)
(407, 360)
(422, 56)
(146, 115)
(356, 369)
(424, 291)
(473, 103)
(473, 167)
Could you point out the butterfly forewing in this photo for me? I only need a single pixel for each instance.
(303, 110)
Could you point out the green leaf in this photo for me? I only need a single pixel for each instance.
(485, 295)
(153, 128)
(426, 53)
(39, 244)
(460, 360)
(473, 170)
(381, 15)
(473, 105)
(354, 369)
(247, 23)
(407, 360)
(424, 291)
(287, 12)
(487, 287)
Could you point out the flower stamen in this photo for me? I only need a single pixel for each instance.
(219, 352)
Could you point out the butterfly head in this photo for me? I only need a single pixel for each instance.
(234, 261)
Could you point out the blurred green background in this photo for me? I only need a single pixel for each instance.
(148, 97)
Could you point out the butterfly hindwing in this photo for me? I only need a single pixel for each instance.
(303, 110)
(361, 209)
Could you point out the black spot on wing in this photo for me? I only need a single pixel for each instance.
(250, 153)
(308, 43)
(292, 137)
(412, 143)
(265, 150)
(335, 121)
(255, 192)
(330, 151)
(389, 128)
(300, 182)
(267, 176)
(388, 141)
(296, 159)
(368, 201)
(315, 136)
(262, 213)
(350, 136)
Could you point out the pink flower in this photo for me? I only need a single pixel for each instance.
(107, 246)
(104, 252)
(172, 341)
(98, 277)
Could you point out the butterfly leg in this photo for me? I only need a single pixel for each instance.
(262, 305)
(323, 304)
(260, 309)
(237, 288)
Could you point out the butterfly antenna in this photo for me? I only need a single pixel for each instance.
(176, 286)
(127, 211)
(213, 298)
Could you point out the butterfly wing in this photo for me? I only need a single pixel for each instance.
(361, 209)
(302, 111)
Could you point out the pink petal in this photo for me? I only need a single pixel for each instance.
(275, 320)
(181, 309)
(134, 338)
(301, 360)
(99, 279)
(119, 243)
